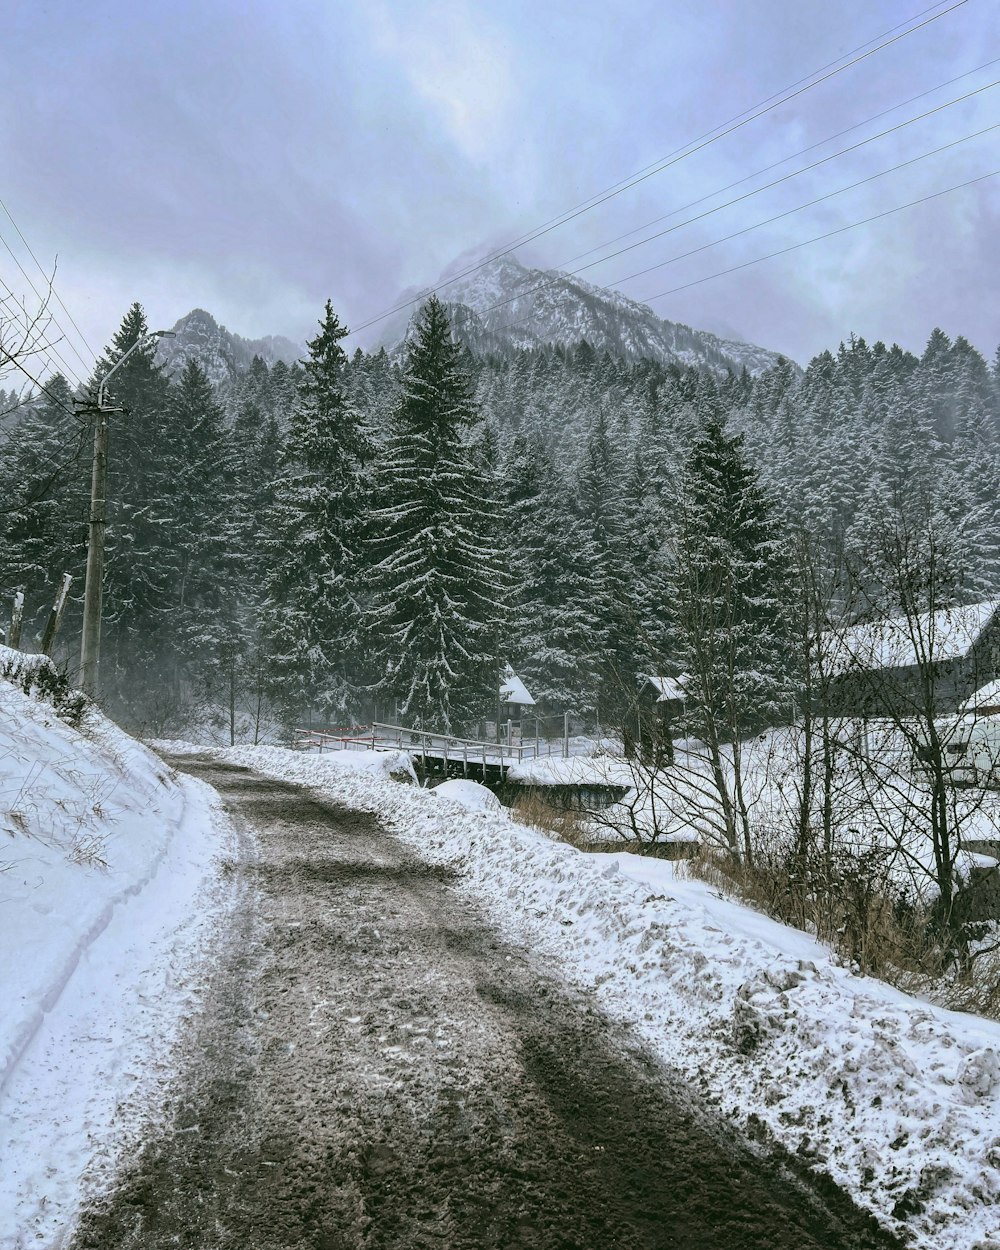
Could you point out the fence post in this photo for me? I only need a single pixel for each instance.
(16, 618)
(56, 616)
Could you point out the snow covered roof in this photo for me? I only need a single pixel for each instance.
(985, 700)
(513, 689)
(669, 688)
(897, 642)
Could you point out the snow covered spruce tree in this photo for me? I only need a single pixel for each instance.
(202, 593)
(729, 615)
(311, 615)
(438, 586)
(43, 506)
(558, 628)
(600, 481)
(138, 555)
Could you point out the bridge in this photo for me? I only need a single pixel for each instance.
(436, 752)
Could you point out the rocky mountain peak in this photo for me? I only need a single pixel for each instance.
(505, 305)
(221, 353)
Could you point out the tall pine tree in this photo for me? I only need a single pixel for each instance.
(438, 587)
(312, 614)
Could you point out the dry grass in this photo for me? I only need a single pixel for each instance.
(87, 849)
(849, 903)
(557, 823)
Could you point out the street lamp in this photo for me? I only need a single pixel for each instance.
(90, 645)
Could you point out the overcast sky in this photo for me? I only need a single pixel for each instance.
(256, 157)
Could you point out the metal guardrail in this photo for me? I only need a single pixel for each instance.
(447, 747)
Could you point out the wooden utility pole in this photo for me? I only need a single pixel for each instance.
(56, 616)
(93, 593)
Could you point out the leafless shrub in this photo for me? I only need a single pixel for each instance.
(560, 824)
(87, 850)
(848, 900)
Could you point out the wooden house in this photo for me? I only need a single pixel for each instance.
(661, 705)
(889, 666)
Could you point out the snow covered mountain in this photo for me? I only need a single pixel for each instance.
(220, 352)
(506, 305)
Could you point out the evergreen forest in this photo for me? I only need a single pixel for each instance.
(380, 533)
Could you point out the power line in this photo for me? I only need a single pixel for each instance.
(43, 304)
(778, 217)
(78, 436)
(828, 235)
(767, 168)
(691, 149)
(736, 117)
(749, 194)
(30, 398)
(42, 489)
(50, 283)
(11, 360)
(83, 337)
(810, 203)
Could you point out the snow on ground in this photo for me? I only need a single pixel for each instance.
(109, 891)
(880, 797)
(897, 1100)
(468, 794)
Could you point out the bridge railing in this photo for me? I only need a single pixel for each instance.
(327, 740)
(385, 737)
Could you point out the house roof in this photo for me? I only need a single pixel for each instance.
(898, 642)
(985, 700)
(669, 688)
(513, 689)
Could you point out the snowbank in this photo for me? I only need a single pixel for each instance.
(103, 854)
(468, 794)
(897, 1100)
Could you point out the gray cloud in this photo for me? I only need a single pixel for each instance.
(256, 158)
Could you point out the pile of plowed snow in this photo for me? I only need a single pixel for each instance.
(104, 854)
(897, 1100)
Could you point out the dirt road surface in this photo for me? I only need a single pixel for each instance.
(375, 1070)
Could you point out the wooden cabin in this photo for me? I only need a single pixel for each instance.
(883, 667)
(661, 709)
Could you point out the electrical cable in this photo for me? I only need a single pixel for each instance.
(77, 437)
(66, 367)
(882, 173)
(83, 337)
(735, 234)
(7, 358)
(736, 117)
(767, 168)
(42, 489)
(828, 235)
(691, 149)
(795, 246)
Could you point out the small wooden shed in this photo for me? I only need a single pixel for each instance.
(515, 698)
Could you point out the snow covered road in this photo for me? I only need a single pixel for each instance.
(376, 1067)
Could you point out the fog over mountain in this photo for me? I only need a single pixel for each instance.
(506, 305)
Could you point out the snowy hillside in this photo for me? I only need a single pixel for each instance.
(507, 305)
(220, 353)
(103, 854)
